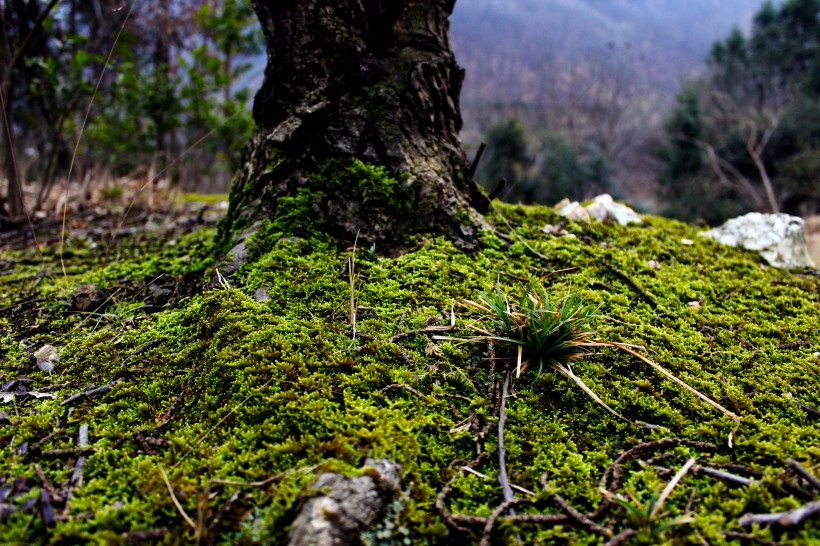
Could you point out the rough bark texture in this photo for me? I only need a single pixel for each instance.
(358, 82)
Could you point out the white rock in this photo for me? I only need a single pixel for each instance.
(778, 238)
(603, 208)
(46, 357)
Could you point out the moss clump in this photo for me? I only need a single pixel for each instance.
(368, 195)
(213, 385)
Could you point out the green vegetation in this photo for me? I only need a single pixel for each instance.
(212, 385)
(744, 137)
(543, 172)
(155, 90)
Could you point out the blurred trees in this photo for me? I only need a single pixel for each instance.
(746, 135)
(545, 172)
(585, 124)
(172, 82)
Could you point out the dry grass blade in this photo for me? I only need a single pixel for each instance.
(670, 487)
(566, 370)
(352, 277)
(680, 382)
(179, 507)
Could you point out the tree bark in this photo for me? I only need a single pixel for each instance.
(351, 85)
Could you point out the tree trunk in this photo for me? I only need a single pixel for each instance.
(357, 124)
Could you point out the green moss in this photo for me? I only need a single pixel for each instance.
(245, 391)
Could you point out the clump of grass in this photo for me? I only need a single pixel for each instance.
(552, 333)
(646, 517)
(555, 333)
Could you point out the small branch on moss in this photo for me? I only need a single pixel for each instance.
(454, 520)
(77, 397)
(148, 440)
(812, 412)
(142, 536)
(169, 414)
(517, 236)
(746, 344)
(621, 537)
(734, 291)
(223, 510)
(36, 447)
(174, 499)
(486, 535)
(720, 474)
(486, 477)
(427, 330)
(402, 386)
(453, 396)
(402, 318)
(147, 347)
(82, 442)
(351, 270)
(792, 518)
(579, 517)
(810, 478)
(748, 537)
(611, 480)
(794, 345)
(55, 496)
(736, 468)
(506, 491)
(635, 286)
(658, 318)
(66, 453)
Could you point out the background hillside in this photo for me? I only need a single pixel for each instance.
(600, 73)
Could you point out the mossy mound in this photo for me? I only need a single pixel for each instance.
(242, 403)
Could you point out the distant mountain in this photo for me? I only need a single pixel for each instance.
(506, 41)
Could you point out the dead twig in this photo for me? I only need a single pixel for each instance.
(791, 518)
(812, 412)
(720, 474)
(794, 345)
(579, 517)
(635, 286)
(427, 330)
(402, 386)
(150, 534)
(90, 393)
(77, 475)
(748, 537)
(179, 507)
(65, 453)
(810, 478)
(664, 372)
(486, 535)
(455, 520)
(506, 490)
(621, 537)
(46, 484)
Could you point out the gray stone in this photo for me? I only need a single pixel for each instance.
(347, 507)
(261, 295)
(778, 238)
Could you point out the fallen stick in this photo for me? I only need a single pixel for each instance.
(792, 518)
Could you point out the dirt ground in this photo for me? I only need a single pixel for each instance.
(813, 237)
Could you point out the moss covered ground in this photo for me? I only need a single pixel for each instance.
(241, 403)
